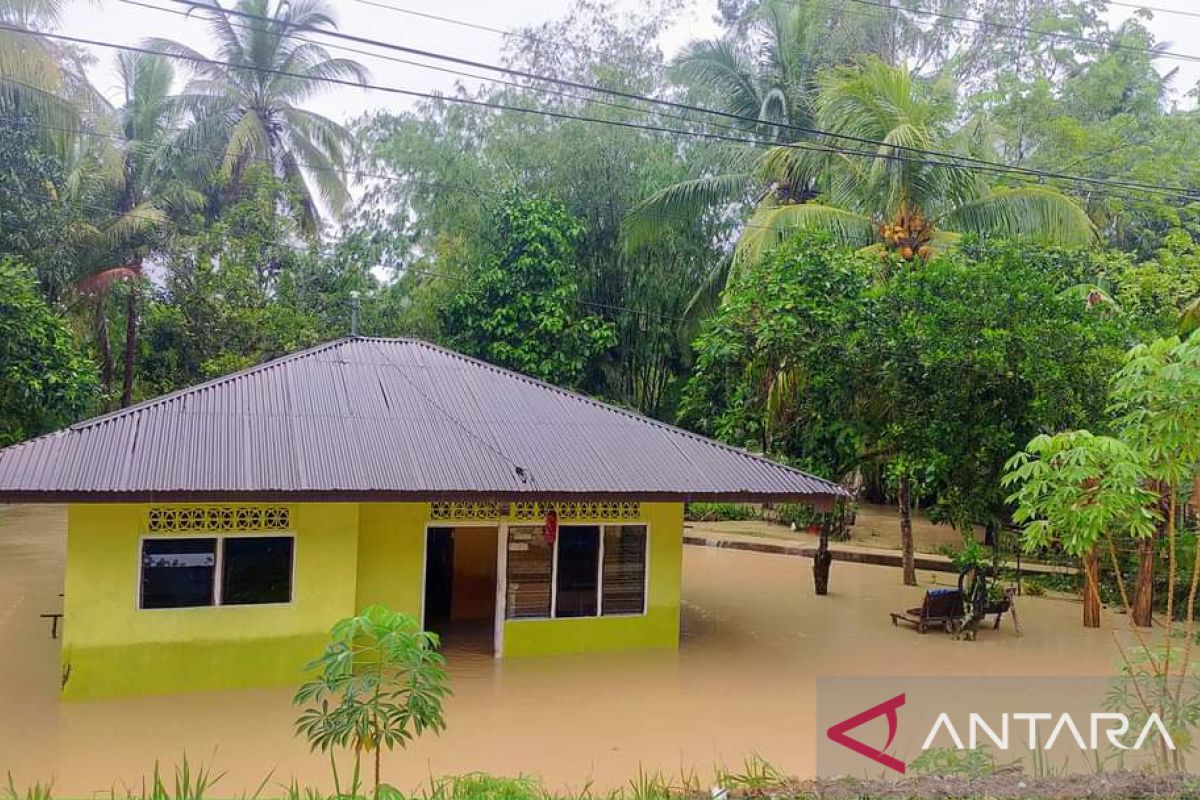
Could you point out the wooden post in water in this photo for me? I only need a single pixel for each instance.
(823, 558)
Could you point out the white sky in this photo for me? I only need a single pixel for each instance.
(116, 21)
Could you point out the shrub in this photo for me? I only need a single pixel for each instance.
(720, 512)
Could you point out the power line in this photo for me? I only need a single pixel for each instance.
(1025, 30)
(387, 178)
(1041, 175)
(446, 70)
(462, 23)
(956, 157)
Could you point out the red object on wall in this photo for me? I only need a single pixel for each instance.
(551, 531)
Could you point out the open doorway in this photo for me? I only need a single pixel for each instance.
(460, 587)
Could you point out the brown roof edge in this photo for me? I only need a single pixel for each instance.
(819, 500)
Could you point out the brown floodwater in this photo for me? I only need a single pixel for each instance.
(755, 639)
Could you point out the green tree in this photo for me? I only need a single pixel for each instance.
(908, 205)
(381, 683)
(778, 366)
(149, 187)
(519, 307)
(46, 382)
(1077, 490)
(1157, 397)
(43, 81)
(234, 293)
(245, 108)
(766, 69)
(974, 354)
(37, 223)
(454, 165)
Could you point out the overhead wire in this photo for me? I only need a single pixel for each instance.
(957, 158)
(1176, 192)
(1025, 30)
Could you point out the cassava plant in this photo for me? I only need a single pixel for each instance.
(1076, 489)
(381, 682)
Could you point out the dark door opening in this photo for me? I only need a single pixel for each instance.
(460, 587)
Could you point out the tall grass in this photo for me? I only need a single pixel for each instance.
(38, 791)
(198, 781)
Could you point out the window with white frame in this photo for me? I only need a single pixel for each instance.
(205, 571)
(588, 571)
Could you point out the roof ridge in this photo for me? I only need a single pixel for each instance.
(608, 406)
(199, 387)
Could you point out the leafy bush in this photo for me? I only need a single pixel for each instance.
(797, 515)
(481, 786)
(45, 379)
(719, 512)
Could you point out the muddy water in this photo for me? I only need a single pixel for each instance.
(743, 681)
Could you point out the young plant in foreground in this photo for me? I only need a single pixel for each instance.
(381, 683)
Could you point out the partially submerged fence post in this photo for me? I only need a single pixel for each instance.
(823, 558)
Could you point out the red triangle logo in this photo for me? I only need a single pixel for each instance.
(837, 733)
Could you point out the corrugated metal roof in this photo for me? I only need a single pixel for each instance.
(389, 419)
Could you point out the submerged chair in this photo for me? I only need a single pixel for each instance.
(941, 607)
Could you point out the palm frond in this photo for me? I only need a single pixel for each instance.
(684, 201)
(1034, 213)
(138, 221)
(719, 66)
(248, 140)
(197, 62)
(772, 224)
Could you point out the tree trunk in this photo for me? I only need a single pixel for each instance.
(904, 498)
(131, 331)
(378, 753)
(1091, 588)
(1143, 593)
(822, 560)
(105, 348)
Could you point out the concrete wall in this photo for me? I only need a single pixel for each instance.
(391, 556)
(347, 556)
(110, 647)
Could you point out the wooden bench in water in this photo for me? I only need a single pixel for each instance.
(941, 607)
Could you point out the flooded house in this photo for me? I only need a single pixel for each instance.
(215, 534)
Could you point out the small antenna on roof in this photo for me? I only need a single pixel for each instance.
(354, 305)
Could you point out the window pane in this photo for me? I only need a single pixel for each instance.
(530, 562)
(256, 569)
(578, 561)
(624, 569)
(177, 573)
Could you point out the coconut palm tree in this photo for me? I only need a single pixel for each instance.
(149, 184)
(884, 194)
(767, 76)
(889, 194)
(41, 81)
(248, 110)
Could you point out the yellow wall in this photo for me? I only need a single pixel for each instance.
(347, 556)
(391, 556)
(658, 627)
(110, 647)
